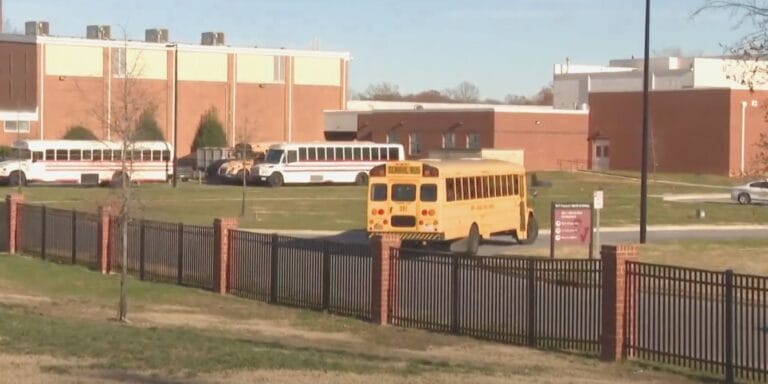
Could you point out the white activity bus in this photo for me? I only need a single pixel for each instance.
(323, 162)
(86, 162)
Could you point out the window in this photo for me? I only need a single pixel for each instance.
(393, 138)
(37, 156)
(278, 69)
(449, 140)
(358, 154)
(472, 187)
(465, 193)
(292, 156)
(366, 154)
(119, 62)
(62, 155)
(156, 155)
(97, 155)
(166, 155)
(302, 154)
(146, 155)
(339, 153)
(492, 186)
(394, 154)
(375, 154)
(428, 192)
(311, 154)
(379, 192)
(473, 141)
(75, 155)
(598, 151)
(414, 144)
(347, 153)
(450, 191)
(403, 192)
(117, 155)
(50, 154)
(16, 126)
(517, 184)
(606, 151)
(499, 190)
(320, 154)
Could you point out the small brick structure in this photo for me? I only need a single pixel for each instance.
(616, 318)
(13, 202)
(381, 278)
(221, 228)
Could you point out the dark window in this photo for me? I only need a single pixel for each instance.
(166, 155)
(50, 154)
(311, 154)
(492, 186)
(37, 156)
(146, 155)
(606, 151)
(320, 154)
(292, 156)
(465, 195)
(97, 155)
(117, 155)
(517, 184)
(450, 189)
(394, 153)
(157, 155)
(339, 153)
(62, 155)
(358, 154)
(375, 154)
(366, 154)
(348, 154)
(379, 192)
(599, 151)
(472, 188)
(499, 190)
(486, 189)
(403, 192)
(302, 154)
(428, 192)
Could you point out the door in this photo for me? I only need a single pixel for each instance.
(601, 153)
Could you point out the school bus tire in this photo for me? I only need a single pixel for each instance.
(532, 230)
(275, 180)
(473, 240)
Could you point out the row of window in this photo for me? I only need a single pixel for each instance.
(449, 141)
(345, 154)
(16, 127)
(404, 192)
(482, 187)
(100, 155)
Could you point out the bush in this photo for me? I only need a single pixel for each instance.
(79, 132)
(210, 132)
(147, 127)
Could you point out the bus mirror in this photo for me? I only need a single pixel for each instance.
(378, 171)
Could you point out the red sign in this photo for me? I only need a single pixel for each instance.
(572, 223)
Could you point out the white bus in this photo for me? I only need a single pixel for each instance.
(86, 162)
(323, 162)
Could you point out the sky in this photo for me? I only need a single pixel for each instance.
(502, 46)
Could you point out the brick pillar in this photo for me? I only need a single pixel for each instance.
(381, 248)
(105, 233)
(221, 228)
(13, 201)
(616, 319)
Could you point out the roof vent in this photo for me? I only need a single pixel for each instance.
(36, 28)
(418, 107)
(212, 38)
(156, 35)
(98, 32)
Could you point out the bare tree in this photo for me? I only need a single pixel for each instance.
(384, 91)
(545, 96)
(465, 92)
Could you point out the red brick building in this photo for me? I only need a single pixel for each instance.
(52, 83)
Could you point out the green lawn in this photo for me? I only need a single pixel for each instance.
(343, 207)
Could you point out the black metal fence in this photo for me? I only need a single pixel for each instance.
(59, 235)
(703, 320)
(305, 273)
(536, 302)
(165, 252)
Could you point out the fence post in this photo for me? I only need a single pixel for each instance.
(455, 294)
(273, 274)
(326, 276)
(142, 254)
(531, 279)
(728, 313)
(43, 215)
(381, 273)
(618, 314)
(74, 237)
(221, 228)
(180, 253)
(13, 203)
(105, 221)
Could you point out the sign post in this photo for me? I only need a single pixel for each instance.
(597, 204)
(571, 223)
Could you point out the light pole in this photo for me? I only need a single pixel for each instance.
(175, 46)
(644, 165)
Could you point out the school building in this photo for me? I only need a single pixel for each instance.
(48, 84)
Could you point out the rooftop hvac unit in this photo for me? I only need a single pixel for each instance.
(156, 35)
(36, 28)
(212, 38)
(98, 32)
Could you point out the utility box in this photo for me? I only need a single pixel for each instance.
(36, 28)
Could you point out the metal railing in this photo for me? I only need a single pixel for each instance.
(536, 302)
(702, 320)
(304, 273)
(60, 235)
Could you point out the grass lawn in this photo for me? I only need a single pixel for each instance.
(55, 319)
(343, 207)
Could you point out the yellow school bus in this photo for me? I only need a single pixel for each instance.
(446, 200)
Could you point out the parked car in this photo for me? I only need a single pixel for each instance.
(750, 192)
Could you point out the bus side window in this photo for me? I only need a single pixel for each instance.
(465, 188)
(117, 155)
(157, 156)
(292, 156)
(50, 154)
(510, 186)
(146, 155)
(366, 154)
(497, 184)
(37, 156)
(96, 155)
(62, 155)
(320, 154)
(75, 154)
(302, 154)
(450, 192)
(491, 186)
(311, 154)
(339, 152)
(472, 188)
(394, 153)
(517, 184)
(358, 155)
(486, 190)
(375, 154)
(348, 154)
(87, 154)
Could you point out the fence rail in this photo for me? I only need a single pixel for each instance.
(536, 302)
(313, 274)
(703, 320)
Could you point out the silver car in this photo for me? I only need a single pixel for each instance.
(753, 191)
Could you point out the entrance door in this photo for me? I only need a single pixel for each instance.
(601, 153)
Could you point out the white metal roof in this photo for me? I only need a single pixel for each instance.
(332, 144)
(41, 145)
(410, 106)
